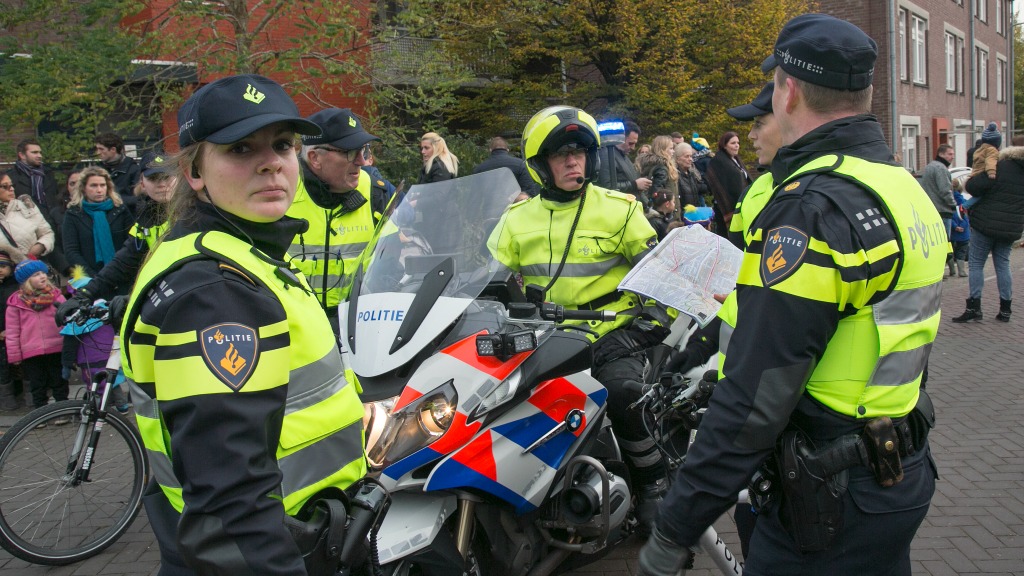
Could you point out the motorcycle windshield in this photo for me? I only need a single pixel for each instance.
(428, 262)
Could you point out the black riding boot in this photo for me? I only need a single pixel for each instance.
(973, 311)
(1004, 310)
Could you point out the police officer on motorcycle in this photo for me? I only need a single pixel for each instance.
(573, 244)
(837, 304)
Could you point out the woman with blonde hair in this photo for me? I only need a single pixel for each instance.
(659, 165)
(438, 163)
(96, 223)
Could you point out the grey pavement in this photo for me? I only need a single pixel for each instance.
(976, 521)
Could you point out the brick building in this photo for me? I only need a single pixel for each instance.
(312, 88)
(944, 70)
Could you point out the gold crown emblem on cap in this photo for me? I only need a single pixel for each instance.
(253, 95)
(351, 121)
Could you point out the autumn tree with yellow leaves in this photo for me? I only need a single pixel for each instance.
(667, 65)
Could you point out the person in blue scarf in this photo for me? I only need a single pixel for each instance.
(96, 223)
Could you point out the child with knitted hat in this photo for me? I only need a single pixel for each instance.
(32, 337)
(986, 156)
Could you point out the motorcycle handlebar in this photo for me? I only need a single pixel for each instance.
(550, 311)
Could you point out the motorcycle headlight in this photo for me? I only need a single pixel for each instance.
(393, 435)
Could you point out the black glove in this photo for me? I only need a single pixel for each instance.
(117, 306)
(661, 557)
(681, 362)
(79, 300)
(647, 332)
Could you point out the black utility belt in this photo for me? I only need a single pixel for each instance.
(880, 447)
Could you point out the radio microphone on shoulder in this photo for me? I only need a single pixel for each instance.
(580, 180)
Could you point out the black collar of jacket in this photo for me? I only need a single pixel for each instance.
(149, 213)
(271, 238)
(860, 136)
(322, 195)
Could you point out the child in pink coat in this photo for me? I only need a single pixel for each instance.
(33, 338)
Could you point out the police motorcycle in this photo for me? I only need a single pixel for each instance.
(481, 417)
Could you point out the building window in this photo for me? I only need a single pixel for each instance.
(903, 44)
(954, 63)
(1001, 77)
(981, 10)
(981, 78)
(918, 32)
(950, 62)
(909, 148)
(999, 17)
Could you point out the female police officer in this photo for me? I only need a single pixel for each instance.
(240, 398)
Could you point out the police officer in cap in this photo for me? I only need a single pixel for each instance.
(239, 398)
(341, 202)
(837, 307)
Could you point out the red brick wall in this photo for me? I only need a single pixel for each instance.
(277, 37)
(931, 102)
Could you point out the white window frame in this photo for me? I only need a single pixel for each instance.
(953, 52)
(919, 42)
(981, 10)
(909, 133)
(981, 77)
(1002, 70)
(904, 75)
(999, 17)
(960, 70)
(950, 47)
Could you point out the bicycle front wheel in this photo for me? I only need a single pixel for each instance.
(46, 515)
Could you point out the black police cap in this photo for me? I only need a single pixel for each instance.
(341, 129)
(825, 51)
(232, 108)
(153, 163)
(761, 105)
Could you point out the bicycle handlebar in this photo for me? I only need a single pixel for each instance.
(98, 311)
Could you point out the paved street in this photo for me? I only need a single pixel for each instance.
(976, 522)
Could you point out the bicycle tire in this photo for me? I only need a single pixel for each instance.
(44, 519)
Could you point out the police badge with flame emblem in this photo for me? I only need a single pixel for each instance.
(230, 351)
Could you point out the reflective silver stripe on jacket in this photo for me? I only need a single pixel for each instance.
(909, 306)
(724, 335)
(898, 368)
(319, 281)
(575, 269)
(159, 463)
(163, 471)
(336, 252)
(325, 457)
(326, 372)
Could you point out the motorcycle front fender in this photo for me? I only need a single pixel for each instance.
(412, 523)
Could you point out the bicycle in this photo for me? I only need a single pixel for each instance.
(71, 473)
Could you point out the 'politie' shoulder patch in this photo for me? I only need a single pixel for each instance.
(230, 351)
(784, 249)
